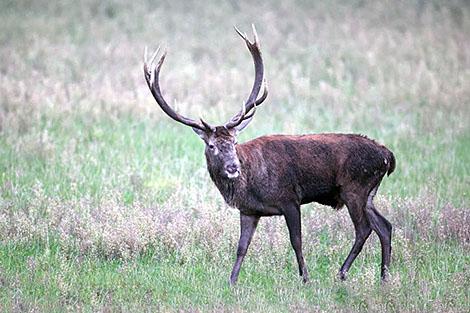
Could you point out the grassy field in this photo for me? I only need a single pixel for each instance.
(106, 205)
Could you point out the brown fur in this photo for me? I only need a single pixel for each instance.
(279, 173)
(275, 175)
(280, 169)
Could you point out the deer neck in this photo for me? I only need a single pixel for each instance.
(231, 188)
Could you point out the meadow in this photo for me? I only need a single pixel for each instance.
(106, 204)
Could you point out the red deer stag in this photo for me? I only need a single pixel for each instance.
(276, 174)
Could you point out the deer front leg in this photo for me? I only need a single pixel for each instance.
(292, 216)
(248, 225)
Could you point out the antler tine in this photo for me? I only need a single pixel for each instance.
(251, 45)
(255, 34)
(243, 35)
(242, 115)
(152, 59)
(252, 113)
(264, 95)
(154, 55)
(245, 119)
(206, 125)
(252, 101)
(260, 99)
(154, 86)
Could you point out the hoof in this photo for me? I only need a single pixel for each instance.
(385, 276)
(341, 276)
(304, 274)
(305, 279)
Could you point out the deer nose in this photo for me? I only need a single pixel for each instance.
(231, 168)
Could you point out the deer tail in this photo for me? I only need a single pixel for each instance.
(391, 162)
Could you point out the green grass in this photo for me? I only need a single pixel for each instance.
(53, 279)
(106, 205)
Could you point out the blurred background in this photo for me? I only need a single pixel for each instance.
(91, 166)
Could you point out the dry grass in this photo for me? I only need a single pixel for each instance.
(115, 230)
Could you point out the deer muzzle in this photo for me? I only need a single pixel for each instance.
(232, 170)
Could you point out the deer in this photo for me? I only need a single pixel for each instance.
(273, 175)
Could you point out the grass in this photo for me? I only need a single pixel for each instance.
(105, 203)
(52, 279)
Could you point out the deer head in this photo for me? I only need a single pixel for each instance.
(220, 140)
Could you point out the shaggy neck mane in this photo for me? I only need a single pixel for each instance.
(232, 189)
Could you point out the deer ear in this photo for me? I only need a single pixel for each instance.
(202, 134)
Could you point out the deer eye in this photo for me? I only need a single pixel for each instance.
(211, 147)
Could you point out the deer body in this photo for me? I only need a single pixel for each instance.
(275, 175)
(281, 169)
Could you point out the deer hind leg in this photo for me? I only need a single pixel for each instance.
(355, 205)
(292, 216)
(383, 228)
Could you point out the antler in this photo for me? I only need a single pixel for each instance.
(154, 86)
(251, 102)
(239, 120)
